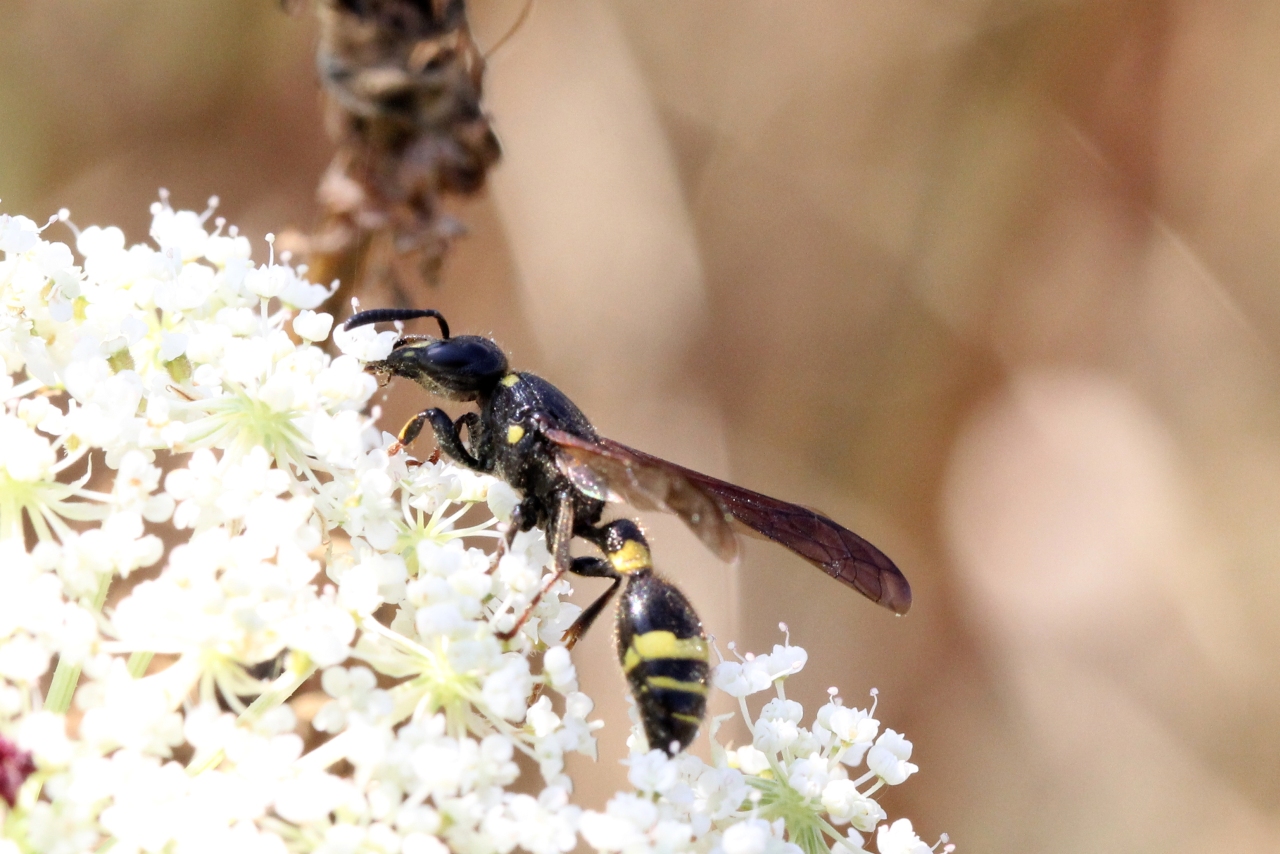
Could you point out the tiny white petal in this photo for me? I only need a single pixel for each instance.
(313, 326)
(899, 838)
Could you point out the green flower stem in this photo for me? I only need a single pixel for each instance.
(67, 676)
(299, 670)
(138, 664)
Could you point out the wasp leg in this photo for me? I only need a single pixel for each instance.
(592, 567)
(524, 511)
(471, 421)
(561, 532)
(448, 435)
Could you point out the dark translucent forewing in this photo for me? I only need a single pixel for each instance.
(836, 550)
(609, 471)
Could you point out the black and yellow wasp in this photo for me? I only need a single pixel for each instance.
(529, 434)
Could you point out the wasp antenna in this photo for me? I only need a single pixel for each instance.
(384, 315)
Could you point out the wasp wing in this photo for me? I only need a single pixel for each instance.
(608, 471)
(826, 544)
(831, 547)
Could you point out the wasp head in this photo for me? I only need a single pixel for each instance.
(456, 368)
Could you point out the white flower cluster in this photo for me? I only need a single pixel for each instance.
(200, 530)
(787, 792)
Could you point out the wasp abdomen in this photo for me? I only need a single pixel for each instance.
(664, 654)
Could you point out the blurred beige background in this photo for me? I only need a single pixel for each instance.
(993, 283)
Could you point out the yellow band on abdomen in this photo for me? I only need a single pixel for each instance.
(657, 645)
(669, 684)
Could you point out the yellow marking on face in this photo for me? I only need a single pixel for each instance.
(689, 719)
(514, 434)
(669, 684)
(509, 380)
(663, 644)
(632, 557)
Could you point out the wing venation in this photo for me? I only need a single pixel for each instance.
(612, 471)
(608, 471)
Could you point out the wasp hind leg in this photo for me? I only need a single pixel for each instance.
(591, 567)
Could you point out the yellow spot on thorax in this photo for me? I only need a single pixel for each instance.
(514, 434)
(658, 645)
(632, 557)
(509, 380)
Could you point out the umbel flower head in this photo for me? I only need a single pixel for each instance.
(202, 533)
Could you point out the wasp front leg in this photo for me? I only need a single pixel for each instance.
(448, 435)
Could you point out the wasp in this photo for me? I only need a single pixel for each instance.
(531, 435)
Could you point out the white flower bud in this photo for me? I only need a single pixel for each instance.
(541, 719)
(505, 690)
(267, 282)
(364, 342)
(751, 836)
(782, 710)
(750, 760)
(899, 838)
(652, 772)
(172, 345)
(421, 843)
(786, 660)
(559, 669)
(775, 736)
(846, 805)
(502, 500)
(808, 776)
(358, 590)
(740, 679)
(312, 326)
(888, 758)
